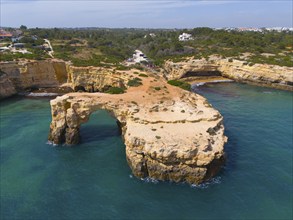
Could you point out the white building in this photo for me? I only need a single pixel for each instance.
(139, 57)
(151, 35)
(185, 37)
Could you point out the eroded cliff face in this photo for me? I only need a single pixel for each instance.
(170, 134)
(54, 73)
(38, 74)
(51, 73)
(6, 86)
(259, 74)
(95, 79)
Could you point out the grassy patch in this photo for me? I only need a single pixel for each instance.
(134, 82)
(143, 75)
(121, 67)
(182, 85)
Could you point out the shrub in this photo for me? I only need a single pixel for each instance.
(121, 67)
(134, 82)
(143, 75)
(157, 88)
(182, 85)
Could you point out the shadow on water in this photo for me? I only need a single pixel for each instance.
(209, 88)
(100, 127)
(91, 133)
(231, 155)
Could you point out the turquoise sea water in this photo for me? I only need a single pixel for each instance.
(93, 180)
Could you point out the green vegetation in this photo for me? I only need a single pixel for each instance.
(121, 67)
(182, 85)
(134, 82)
(115, 90)
(35, 55)
(143, 75)
(109, 47)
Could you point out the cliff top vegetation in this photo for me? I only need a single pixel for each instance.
(102, 47)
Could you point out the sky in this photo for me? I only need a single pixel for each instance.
(146, 14)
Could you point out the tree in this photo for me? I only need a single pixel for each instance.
(23, 27)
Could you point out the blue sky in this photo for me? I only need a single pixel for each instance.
(146, 14)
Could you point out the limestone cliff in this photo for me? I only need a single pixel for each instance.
(6, 86)
(170, 134)
(53, 73)
(93, 79)
(30, 74)
(259, 74)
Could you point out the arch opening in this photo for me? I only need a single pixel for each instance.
(102, 124)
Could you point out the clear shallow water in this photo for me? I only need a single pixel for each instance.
(93, 180)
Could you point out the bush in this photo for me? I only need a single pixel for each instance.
(134, 82)
(143, 75)
(182, 85)
(121, 67)
(115, 90)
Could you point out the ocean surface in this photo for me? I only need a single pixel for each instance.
(93, 181)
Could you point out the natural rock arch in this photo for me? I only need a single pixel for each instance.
(180, 139)
(68, 117)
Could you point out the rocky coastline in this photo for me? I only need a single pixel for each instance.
(169, 134)
(28, 75)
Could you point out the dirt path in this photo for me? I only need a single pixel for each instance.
(52, 51)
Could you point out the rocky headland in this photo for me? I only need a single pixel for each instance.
(169, 133)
